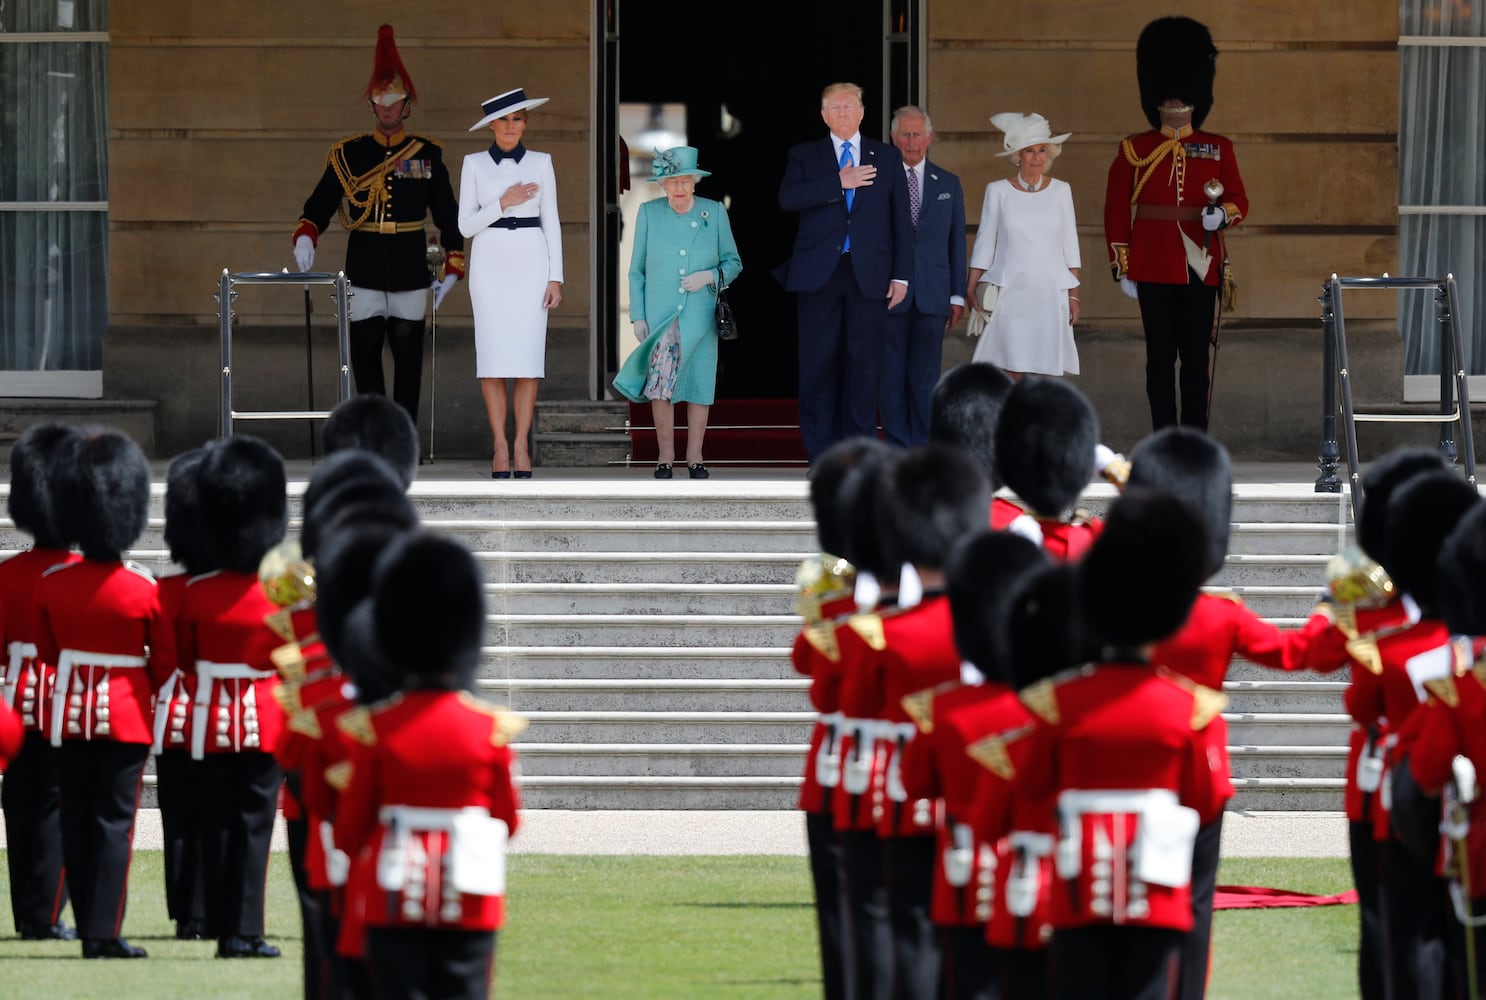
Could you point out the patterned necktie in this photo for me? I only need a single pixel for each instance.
(845, 162)
(913, 195)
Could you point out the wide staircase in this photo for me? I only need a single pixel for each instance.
(643, 628)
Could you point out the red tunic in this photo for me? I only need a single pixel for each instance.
(430, 750)
(1171, 182)
(175, 688)
(325, 772)
(222, 633)
(1447, 730)
(815, 655)
(103, 616)
(1065, 541)
(28, 682)
(857, 794)
(12, 735)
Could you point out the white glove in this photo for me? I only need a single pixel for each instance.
(441, 288)
(1128, 287)
(642, 330)
(304, 253)
(1214, 218)
(698, 279)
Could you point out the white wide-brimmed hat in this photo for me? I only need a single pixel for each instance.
(504, 104)
(1025, 130)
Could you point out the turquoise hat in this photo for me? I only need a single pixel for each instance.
(678, 161)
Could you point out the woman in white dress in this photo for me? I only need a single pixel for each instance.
(1027, 249)
(508, 208)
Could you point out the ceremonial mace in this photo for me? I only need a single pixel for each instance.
(434, 257)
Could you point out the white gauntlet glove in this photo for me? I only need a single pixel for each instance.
(304, 253)
(642, 330)
(698, 280)
(1214, 218)
(441, 289)
(1128, 287)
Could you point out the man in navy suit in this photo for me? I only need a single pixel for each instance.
(852, 260)
(912, 350)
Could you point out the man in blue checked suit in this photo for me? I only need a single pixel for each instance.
(852, 261)
(912, 350)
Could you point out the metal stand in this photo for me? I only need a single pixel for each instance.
(226, 293)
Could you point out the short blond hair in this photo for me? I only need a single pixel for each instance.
(841, 88)
(1054, 150)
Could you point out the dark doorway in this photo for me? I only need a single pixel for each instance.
(751, 91)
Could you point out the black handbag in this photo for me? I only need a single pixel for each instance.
(727, 325)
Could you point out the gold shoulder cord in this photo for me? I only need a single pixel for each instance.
(1178, 166)
(368, 192)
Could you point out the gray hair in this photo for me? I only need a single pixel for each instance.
(911, 111)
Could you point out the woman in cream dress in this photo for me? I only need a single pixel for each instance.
(508, 208)
(1027, 247)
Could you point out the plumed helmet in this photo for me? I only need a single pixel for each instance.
(376, 424)
(429, 601)
(241, 496)
(935, 495)
(1379, 482)
(1462, 575)
(390, 81)
(32, 459)
(1141, 576)
(964, 409)
(1045, 444)
(102, 493)
(1043, 626)
(862, 492)
(1421, 514)
(978, 577)
(826, 477)
(1175, 57)
(1193, 467)
(183, 532)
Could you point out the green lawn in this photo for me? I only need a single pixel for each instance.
(640, 928)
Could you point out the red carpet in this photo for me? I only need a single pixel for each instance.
(1250, 897)
(739, 432)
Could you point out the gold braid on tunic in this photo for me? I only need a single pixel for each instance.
(367, 194)
(1178, 165)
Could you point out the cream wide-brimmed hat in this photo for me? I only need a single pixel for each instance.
(504, 104)
(1025, 130)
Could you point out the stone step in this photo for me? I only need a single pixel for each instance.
(638, 568)
(1288, 728)
(669, 727)
(655, 696)
(1283, 762)
(1255, 537)
(631, 536)
(654, 598)
(773, 760)
(655, 630)
(638, 662)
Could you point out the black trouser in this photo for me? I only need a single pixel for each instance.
(869, 933)
(1414, 906)
(237, 829)
(181, 795)
(405, 338)
(1103, 962)
(33, 833)
(100, 782)
(969, 964)
(1197, 945)
(316, 954)
(1455, 946)
(840, 350)
(1024, 972)
(1178, 321)
(1366, 874)
(418, 963)
(342, 978)
(825, 875)
(908, 869)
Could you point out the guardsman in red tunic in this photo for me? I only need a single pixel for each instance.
(178, 784)
(432, 797)
(29, 796)
(222, 631)
(384, 183)
(1172, 192)
(95, 619)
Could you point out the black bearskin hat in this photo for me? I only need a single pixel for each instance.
(32, 460)
(183, 533)
(1379, 483)
(375, 679)
(1042, 624)
(964, 409)
(862, 493)
(1045, 444)
(1420, 514)
(1462, 575)
(343, 576)
(935, 496)
(978, 577)
(1193, 467)
(826, 477)
(241, 496)
(429, 602)
(346, 478)
(1141, 576)
(376, 424)
(102, 493)
(1175, 57)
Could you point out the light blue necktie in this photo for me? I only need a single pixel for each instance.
(845, 162)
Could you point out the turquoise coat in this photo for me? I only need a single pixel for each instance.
(667, 247)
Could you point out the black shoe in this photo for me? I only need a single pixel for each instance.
(501, 474)
(698, 471)
(663, 470)
(111, 948)
(47, 932)
(245, 947)
(190, 930)
(523, 473)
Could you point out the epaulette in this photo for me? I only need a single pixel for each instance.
(306, 723)
(338, 775)
(821, 637)
(990, 751)
(1041, 697)
(1364, 649)
(1207, 703)
(1225, 595)
(869, 627)
(1442, 686)
(507, 724)
(357, 724)
(1080, 516)
(920, 708)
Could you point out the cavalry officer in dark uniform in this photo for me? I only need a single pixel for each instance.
(1170, 255)
(384, 183)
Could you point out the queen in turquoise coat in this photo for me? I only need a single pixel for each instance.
(683, 253)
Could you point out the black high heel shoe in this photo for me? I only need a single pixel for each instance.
(502, 474)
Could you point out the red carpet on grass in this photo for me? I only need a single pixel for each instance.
(1252, 897)
(739, 432)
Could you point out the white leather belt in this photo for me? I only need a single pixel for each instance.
(67, 660)
(1079, 802)
(20, 652)
(162, 709)
(207, 674)
(423, 819)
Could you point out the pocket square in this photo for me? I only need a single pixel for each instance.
(944, 196)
